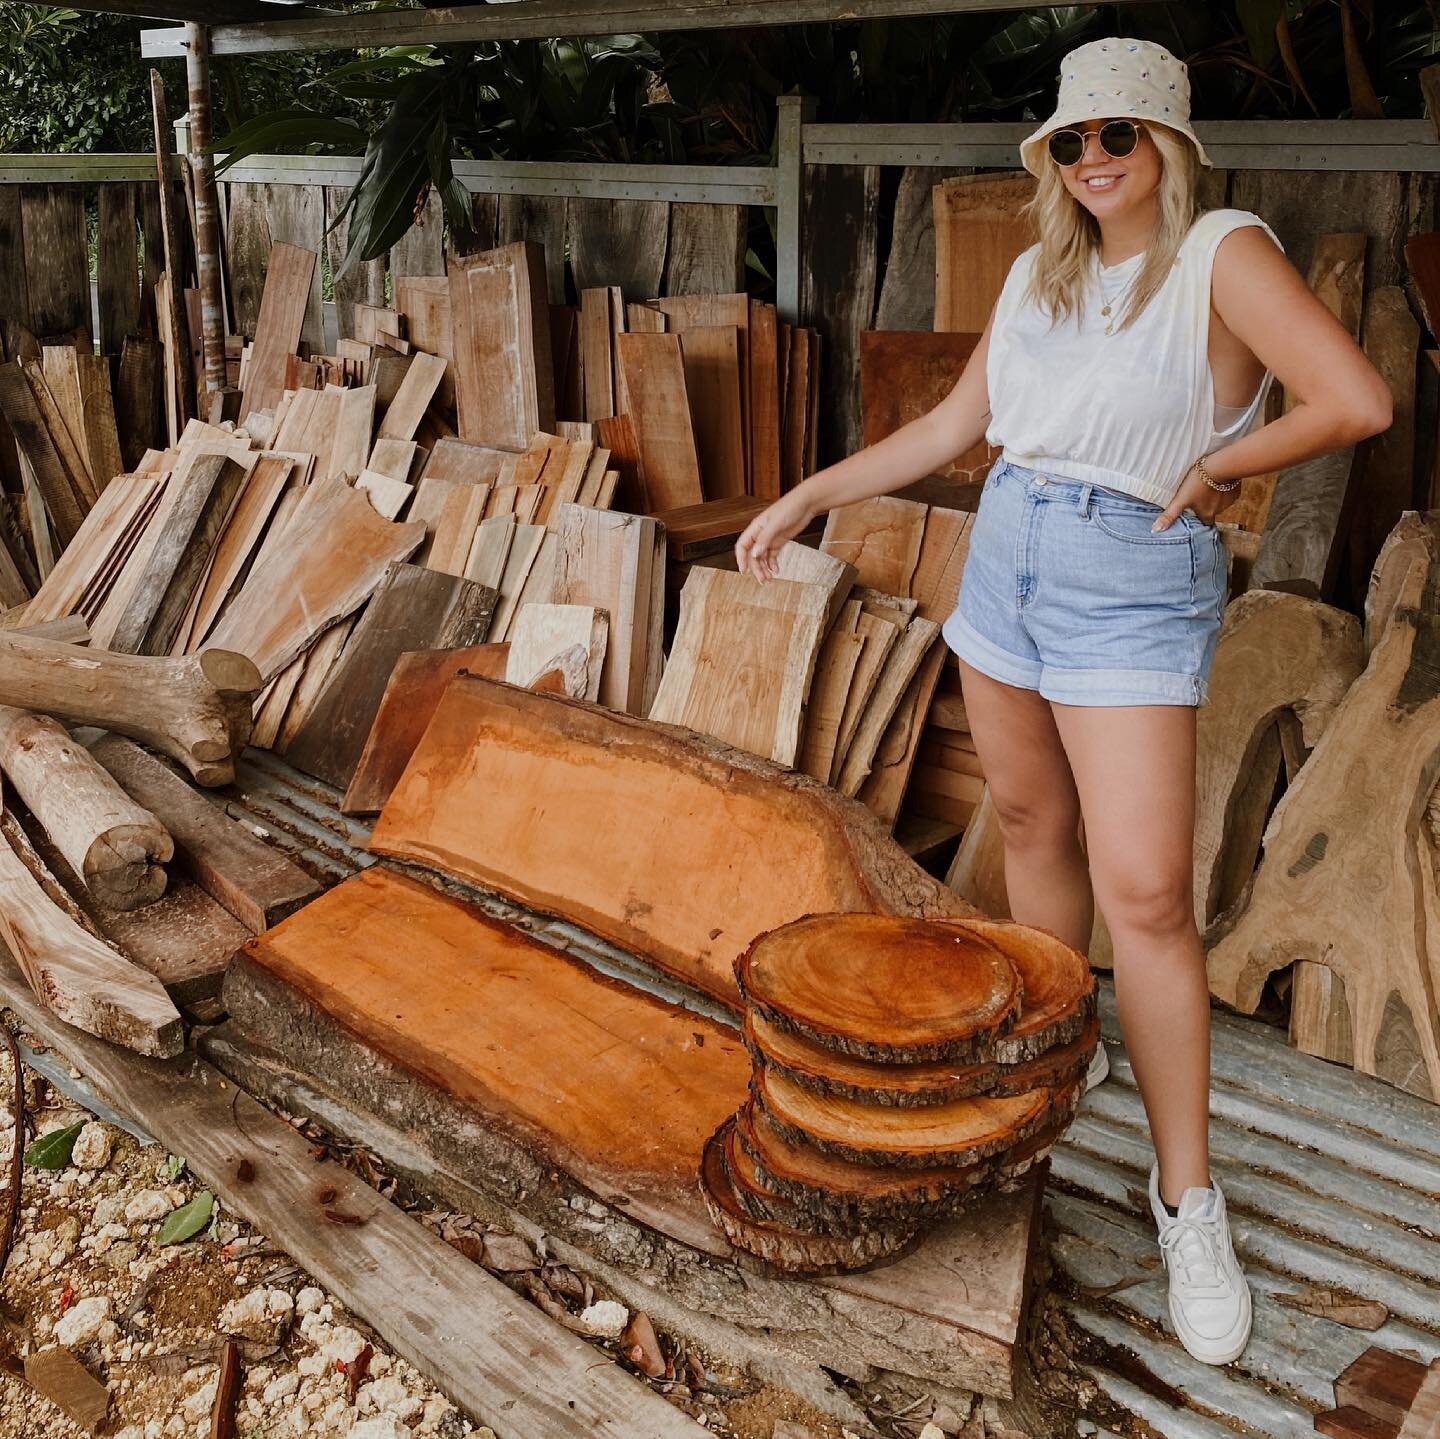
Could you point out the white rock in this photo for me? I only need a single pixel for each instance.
(281, 1387)
(382, 1426)
(258, 1315)
(381, 1394)
(343, 1343)
(605, 1318)
(309, 1299)
(81, 1322)
(313, 1365)
(148, 1206)
(197, 1405)
(93, 1147)
(932, 1431)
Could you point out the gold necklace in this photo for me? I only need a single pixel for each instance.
(1110, 300)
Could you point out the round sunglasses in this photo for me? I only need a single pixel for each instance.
(1118, 138)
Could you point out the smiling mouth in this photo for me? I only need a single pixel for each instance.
(1103, 182)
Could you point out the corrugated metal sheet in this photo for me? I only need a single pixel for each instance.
(1332, 1179)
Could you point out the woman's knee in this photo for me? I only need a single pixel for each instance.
(1036, 822)
(1151, 907)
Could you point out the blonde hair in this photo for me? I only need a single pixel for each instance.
(1069, 235)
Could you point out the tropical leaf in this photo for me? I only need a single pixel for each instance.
(53, 1150)
(187, 1221)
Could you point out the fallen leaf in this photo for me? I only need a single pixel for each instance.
(356, 1371)
(1347, 1309)
(187, 1221)
(468, 1244)
(641, 1347)
(508, 1254)
(53, 1150)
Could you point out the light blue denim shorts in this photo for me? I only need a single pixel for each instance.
(1067, 590)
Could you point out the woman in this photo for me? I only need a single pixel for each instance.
(1122, 370)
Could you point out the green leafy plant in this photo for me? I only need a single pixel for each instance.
(53, 1150)
(187, 1221)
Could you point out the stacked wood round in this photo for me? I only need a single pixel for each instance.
(903, 1068)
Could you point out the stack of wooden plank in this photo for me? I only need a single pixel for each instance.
(903, 1068)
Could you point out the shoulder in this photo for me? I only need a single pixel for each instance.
(1212, 226)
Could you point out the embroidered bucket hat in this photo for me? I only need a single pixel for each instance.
(1112, 78)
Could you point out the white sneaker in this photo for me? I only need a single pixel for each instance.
(1099, 1069)
(1209, 1296)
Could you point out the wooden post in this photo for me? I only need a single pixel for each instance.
(207, 208)
(180, 405)
(794, 113)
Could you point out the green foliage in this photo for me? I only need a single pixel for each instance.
(53, 1150)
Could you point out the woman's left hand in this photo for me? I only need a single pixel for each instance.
(1205, 503)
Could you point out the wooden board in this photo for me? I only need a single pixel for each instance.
(543, 633)
(289, 599)
(711, 356)
(597, 360)
(553, 1383)
(57, 268)
(653, 371)
(979, 234)
(765, 398)
(419, 387)
(413, 609)
(504, 380)
(882, 537)
(834, 671)
(616, 562)
(277, 333)
(509, 789)
(742, 660)
(253, 880)
(22, 414)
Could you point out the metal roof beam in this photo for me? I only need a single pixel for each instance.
(539, 19)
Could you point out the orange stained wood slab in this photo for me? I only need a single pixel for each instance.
(674, 846)
(617, 1087)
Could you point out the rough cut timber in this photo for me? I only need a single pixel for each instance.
(509, 789)
(414, 609)
(288, 278)
(1278, 654)
(468, 1096)
(416, 686)
(979, 234)
(881, 537)
(78, 978)
(252, 879)
(116, 847)
(504, 380)
(331, 557)
(741, 663)
(1347, 877)
(652, 376)
(545, 633)
(196, 710)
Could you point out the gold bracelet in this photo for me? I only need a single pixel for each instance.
(1205, 475)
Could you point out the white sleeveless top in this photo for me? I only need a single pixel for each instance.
(1130, 410)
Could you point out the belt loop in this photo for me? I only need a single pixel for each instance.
(1084, 500)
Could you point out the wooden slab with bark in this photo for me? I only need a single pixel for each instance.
(414, 609)
(196, 709)
(253, 880)
(1344, 879)
(544, 633)
(508, 789)
(283, 303)
(330, 560)
(76, 977)
(741, 663)
(116, 847)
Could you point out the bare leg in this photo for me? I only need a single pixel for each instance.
(1036, 803)
(1134, 768)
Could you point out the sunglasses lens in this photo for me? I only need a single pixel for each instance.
(1066, 146)
(1119, 137)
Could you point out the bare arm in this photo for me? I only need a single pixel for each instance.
(922, 447)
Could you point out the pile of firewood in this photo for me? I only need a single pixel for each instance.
(902, 1069)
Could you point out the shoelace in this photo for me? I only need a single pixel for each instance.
(1192, 1245)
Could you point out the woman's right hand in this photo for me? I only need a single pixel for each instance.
(757, 551)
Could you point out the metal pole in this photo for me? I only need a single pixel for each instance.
(207, 207)
(795, 111)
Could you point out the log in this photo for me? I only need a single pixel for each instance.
(116, 847)
(508, 790)
(81, 980)
(196, 709)
(882, 987)
(789, 1250)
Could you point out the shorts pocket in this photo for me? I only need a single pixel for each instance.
(1133, 525)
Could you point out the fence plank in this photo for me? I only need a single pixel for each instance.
(707, 249)
(57, 269)
(14, 297)
(296, 216)
(421, 249)
(364, 282)
(540, 218)
(118, 267)
(249, 249)
(837, 292)
(153, 245)
(618, 242)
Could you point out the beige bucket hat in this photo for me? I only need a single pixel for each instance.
(1117, 77)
